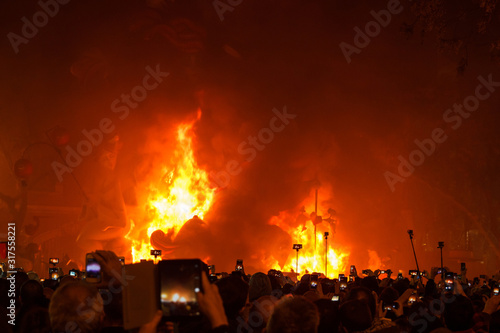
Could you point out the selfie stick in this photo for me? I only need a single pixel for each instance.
(315, 215)
(440, 246)
(297, 247)
(326, 253)
(410, 232)
(297, 263)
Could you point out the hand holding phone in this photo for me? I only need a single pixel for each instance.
(180, 281)
(109, 268)
(211, 304)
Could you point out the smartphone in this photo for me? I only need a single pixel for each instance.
(343, 286)
(412, 299)
(341, 276)
(211, 269)
(353, 269)
(448, 281)
(390, 306)
(54, 273)
(413, 272)
(314, 281)
(439, 271)
(335, 298)
(382, 272)
(121, 260)
(351, 278)
(73, 272)
(462, 266)
(54, 261)
(496, 291)
(156, 253)
(400, 276)
(179, 282)
(93, 269)
(239, 265)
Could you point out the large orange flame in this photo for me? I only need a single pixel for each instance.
(182, 192)
(311, 258)
(179, 189)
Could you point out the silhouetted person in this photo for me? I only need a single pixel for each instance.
(294, 315)
(76, 306)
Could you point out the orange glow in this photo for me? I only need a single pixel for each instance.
(180, 192)
(311, 259)
(177, 189)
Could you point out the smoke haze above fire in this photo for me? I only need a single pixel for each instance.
(352, 121)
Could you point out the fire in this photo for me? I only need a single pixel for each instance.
(181, 191)
(311, 258)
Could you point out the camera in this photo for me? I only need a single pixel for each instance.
(92, 268)
(390, 306)
(449, 280)
(54, 273)
(54, 261)
(314, 281)
(297, 246)
(400, 276)
(440, 245)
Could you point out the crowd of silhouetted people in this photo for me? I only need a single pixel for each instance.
(263, 302)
